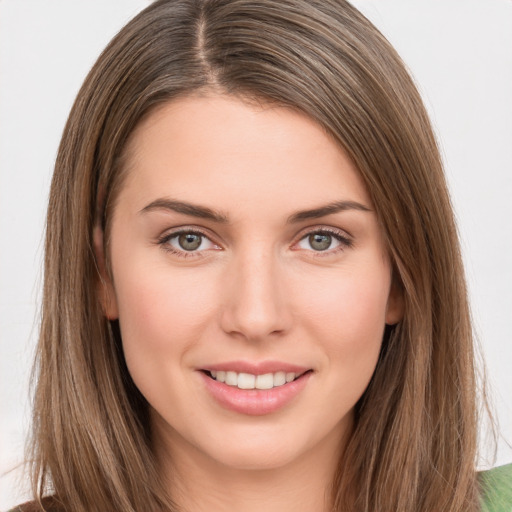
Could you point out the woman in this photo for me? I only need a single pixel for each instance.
(253, 288)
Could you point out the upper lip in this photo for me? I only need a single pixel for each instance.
(256, 368)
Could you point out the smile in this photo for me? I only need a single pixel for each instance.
(255, 389)
(251, 381)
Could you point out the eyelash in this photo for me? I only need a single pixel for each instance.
(164, 240)
(344, 240)
(340, 236)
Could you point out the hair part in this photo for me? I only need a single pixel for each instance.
(414, 442)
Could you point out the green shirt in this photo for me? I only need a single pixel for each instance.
(496, 487)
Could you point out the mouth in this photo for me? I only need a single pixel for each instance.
(255, 388)
(245, 381)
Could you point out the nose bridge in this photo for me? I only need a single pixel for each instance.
(255, 304)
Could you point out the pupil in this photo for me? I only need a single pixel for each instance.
(189, 241)
(320, 242)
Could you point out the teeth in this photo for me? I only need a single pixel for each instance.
(231, 379)
(280, 378)
(250, 381)
(264, 381)
(246, 381)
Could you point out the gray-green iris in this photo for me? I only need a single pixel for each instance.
(189, 241)
(320, 241)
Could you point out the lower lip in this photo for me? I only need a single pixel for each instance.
(254, 402)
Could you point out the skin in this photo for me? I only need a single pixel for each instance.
(256, 290)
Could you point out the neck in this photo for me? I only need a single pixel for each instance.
(200, 484)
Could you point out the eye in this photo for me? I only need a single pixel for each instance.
(184, 243)
(324, 241)
(188, 241)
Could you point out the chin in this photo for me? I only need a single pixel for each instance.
(255, 457)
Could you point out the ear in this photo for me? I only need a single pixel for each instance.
(105, 287)
(395, 305)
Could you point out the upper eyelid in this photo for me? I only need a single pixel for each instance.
(323, 229)
(171, 232)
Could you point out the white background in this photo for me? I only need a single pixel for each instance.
(460, 52)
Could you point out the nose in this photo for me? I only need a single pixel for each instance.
(255, 302)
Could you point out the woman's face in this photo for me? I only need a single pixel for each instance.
(244, 248)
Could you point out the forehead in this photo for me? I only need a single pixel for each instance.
(222, 150)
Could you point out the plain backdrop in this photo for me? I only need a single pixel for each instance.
(460, 53)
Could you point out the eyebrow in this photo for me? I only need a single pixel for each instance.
(328, 209)
(203, 212)
(193, 210)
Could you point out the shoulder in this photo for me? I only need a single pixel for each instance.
(496, 488)
(48, 504)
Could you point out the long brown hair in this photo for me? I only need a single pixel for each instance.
(414, 443)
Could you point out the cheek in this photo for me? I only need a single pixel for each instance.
(161, 313)
(347, 312)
